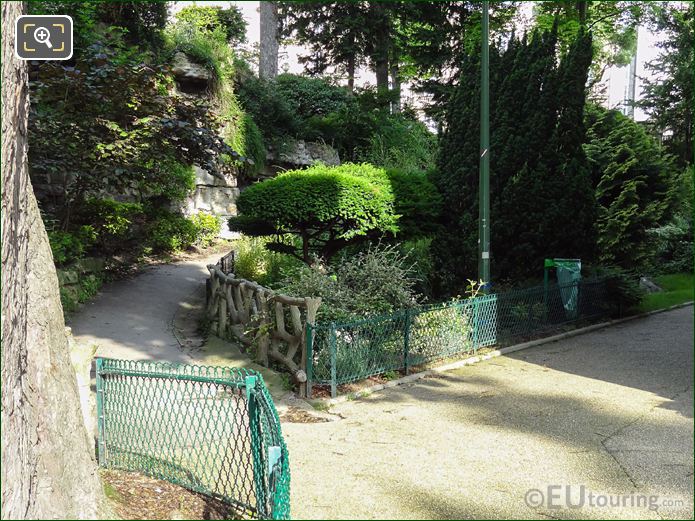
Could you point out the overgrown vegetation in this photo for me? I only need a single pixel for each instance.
(376, 280)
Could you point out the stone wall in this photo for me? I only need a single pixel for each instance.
(79, 281)
(213, 195)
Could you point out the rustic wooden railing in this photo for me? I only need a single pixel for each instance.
(271, 324)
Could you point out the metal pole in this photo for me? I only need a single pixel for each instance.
(484, 182)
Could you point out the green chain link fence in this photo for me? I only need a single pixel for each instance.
(212, 430)
(340, 353)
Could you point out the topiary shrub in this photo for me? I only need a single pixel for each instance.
(326, 208)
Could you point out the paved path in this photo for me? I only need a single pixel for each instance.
(611, 411)
(132, 319)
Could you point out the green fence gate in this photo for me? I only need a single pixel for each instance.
(212, 430)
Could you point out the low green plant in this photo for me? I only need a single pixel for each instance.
(391, 375)
(253, 261)
(171, 232)
(70, 246)
(207, 228)
(111, 219)
(418, 251)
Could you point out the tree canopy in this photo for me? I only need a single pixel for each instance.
(542, 202)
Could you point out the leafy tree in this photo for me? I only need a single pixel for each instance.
(634, 186)
(613, 27)
(110, 122)
(399, 40)
(326, 208)
(333, 31)
(210, 18)
(142, 21)
(542, 200)
(668, 96)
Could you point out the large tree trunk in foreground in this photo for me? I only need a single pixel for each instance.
(268, 63)
(48, 468)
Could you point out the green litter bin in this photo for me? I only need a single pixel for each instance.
(569, 273)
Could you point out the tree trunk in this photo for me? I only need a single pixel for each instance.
(382, 40)
(48, 468)
(395, 84)
(268, 63)
(351, 73)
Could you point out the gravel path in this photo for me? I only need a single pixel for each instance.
(133, 318)
(611, 410)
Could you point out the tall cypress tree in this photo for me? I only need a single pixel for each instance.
(542, 202)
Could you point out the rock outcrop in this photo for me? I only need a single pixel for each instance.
(297, 154)
(191, 77)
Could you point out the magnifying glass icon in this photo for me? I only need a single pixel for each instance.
(42, 35)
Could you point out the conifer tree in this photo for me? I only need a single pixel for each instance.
(541, 197)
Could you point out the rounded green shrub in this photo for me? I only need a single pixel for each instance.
(328, 208)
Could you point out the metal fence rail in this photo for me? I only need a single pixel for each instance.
(339, 353)
(213, 430)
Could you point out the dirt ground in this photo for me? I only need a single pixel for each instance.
(135, 496)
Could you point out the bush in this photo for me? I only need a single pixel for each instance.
(111, 219)
(207, 228)
(309, 97)
(207, 48)
(417, 202)
(175, 186)
(171, 232)
(327, 208)
(377, 280)
(275, 116)
(283, 108)
(418, 251)
(400, 142)
(623, 292)
(253, 261)
(70, 246)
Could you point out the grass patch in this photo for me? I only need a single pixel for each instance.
(678, 288)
